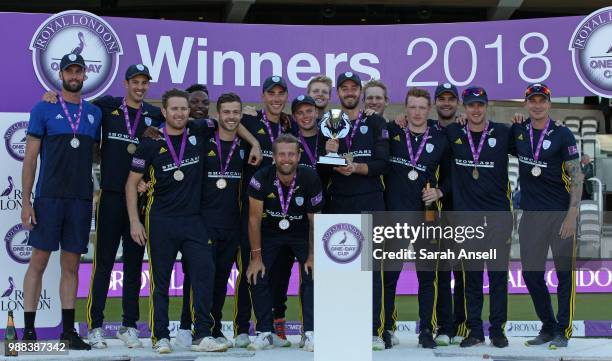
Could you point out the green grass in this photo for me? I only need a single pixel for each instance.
(588, 307)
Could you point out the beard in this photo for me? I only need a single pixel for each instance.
(351, 103)
(72, 88)
(287, 170)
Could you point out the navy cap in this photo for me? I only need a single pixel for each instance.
(72, 59)
(475, 94)
(137, 69)
(273, 81)
(348, 75)
(302, 99)
(537, 89)
(446, 88)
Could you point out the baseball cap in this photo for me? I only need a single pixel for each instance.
(474, 94)
(302, 99)
(72, 59)
(348, 75)
(273, 81)
(137, 69)
(537, 89)
(446, 88)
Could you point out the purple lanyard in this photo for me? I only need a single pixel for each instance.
(309, 153)
(267, 123)
(414, 159)
(349, 140)
(229, 155)
(74, 125)
(177, 160)
(476, 152)
(536, 154)
(131, 128)
(281, 195)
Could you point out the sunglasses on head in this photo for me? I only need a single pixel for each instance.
(474, 91)
(537, 89)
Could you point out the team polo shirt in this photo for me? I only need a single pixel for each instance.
(311, 143)
(401, 193)
(64, 172)
(169, 197)
(115, 159)
(307, 198)
(370, 145)
(549, 191)
(491, 191)
(221, 207)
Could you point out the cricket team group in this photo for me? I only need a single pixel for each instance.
(244, 188)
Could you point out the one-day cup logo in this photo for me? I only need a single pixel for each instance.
(591, 47)
(15, 140)
(80, 33)
(17, 241)
(343, 242)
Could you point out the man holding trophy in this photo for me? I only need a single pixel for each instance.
(354, 151)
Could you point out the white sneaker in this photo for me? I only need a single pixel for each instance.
(279, 342)
(377, 344)
(96, 338)
(394, 339)
(442, 340)
(162, 346)
(307, 341)
(242, 340)
(263, 341)
(184, 338)
(129, 336)
(224, 340)
(457, 340)
(208, 344)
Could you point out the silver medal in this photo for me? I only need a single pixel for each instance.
(221, 183)
(131, 148)
(536, 171)
(413, 175)
(283, 224)
(178, 175)
(74, 143)
(475, 174)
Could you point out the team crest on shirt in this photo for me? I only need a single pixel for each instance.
(193, 140)
(363, 129)
(148, 121)
(90, 118)
(115, 112)
(546, 144)
(429, 147)
(241, 153)
(492, 142)
(299, 201)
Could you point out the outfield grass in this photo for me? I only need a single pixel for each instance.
(588, 307)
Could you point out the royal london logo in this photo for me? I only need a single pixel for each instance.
(591, 47)
(12, 297)
(76, 32)
(15, 140)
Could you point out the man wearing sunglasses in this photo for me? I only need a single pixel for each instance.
(551, 188)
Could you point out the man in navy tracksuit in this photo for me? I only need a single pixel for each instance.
(480, 184)
(173, 222)
(551, 188)
(414, 156)
(283, 199)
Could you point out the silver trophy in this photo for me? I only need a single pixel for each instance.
(334, 125)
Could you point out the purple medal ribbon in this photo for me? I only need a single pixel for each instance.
(229, 155)
(281, 195)
(414, 159)
(536, 154)
(267, 123)
(309, 153)
(476, 152)
(349, 140)
(74, 125)
(177, 160)
(131, 128)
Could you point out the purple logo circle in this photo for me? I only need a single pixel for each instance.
(17, 241)
(592, 52)
(343, 242)
(79, 33)
(15, 140)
